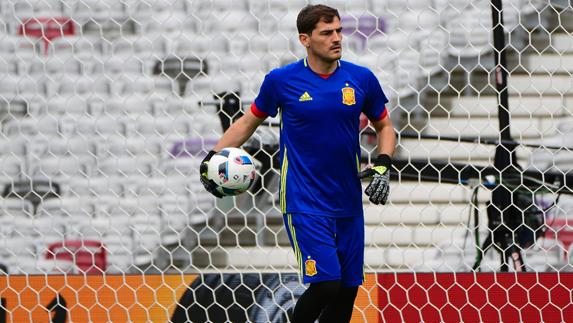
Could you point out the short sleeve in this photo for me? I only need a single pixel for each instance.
(375, 103)
(267, 101)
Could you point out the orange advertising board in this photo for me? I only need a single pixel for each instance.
(92, 298)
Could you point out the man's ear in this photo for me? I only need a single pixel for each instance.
(304, 39)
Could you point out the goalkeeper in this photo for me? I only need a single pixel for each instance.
(320, 99)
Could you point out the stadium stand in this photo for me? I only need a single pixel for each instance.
(81, 91)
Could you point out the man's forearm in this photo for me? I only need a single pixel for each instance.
(237, 134)
(386, 140)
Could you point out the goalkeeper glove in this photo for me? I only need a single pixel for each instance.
(209, 184)
(379, 186)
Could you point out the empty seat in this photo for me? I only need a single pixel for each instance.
(7, 64)
(198, 45)
(95, 10)
(16, 207)
(175, 218)
(127, 166)
(283, 22)
(73, 84)
(180, 166)
(146, 230)
(205, 88)
(129, 84)
(119, 248)
(34, 8)
(62, 166)
(13, 167)
(66, 207)
(116, 146)
(470, 33)
(156, 187)
(69, 104)
(141, 10)
(168, 22)
(46, 125)
(85, 256)
(18, 254)
(118, 64)
(96, 187)
(135, 104)
(74, 46)
(220, 5)
(46, 147)
(25, 87)
(103, 126)
(145, 125)
(61, 64)
(229, 21)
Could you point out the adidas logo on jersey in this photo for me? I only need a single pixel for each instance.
(305, 97)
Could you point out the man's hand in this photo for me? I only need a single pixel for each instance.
(209, 185)
(379, 186)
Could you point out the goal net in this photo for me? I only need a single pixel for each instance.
(108, 107)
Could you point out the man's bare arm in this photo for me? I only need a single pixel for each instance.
(386, 136)
(240, 131)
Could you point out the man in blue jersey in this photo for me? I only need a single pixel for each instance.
(320, 99)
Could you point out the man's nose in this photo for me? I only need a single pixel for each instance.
(337, 37)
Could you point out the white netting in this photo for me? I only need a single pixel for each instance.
(108, 107)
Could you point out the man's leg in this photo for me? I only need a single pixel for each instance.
(350, 250)
(313, 301)
(341, 309)
(313, 239)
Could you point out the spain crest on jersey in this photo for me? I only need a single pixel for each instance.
(310, 267)
(348, 97)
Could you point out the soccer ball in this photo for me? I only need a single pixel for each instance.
(233, 170)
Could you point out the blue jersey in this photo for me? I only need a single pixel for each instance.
(319, 139)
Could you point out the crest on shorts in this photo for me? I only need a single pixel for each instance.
(348, 97)
(310, 267)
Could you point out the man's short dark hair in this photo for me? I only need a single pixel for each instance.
(311, 15)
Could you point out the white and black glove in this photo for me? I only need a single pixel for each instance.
(379, 186)
(209, 185)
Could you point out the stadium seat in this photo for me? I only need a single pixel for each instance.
(127, 166)
(13, 167)
(46, 125)
(95, 10)
(8, 65)
(197, 45)
(62, 166)
(280, 22)
(102, 126)
(24, 47)
(69, 84)
(145, 125)
(118, 64)
(97, 188)
(61, 105)
(46, 147)
(470, 33)
(19, 255)
(87, 256)
(116, 146)
(74, 46)
(143, 10)
(169, 22)
(146, 231)
(180, 166)
(136, 104)
(205, 88)
(130, 84)
(119, 249)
